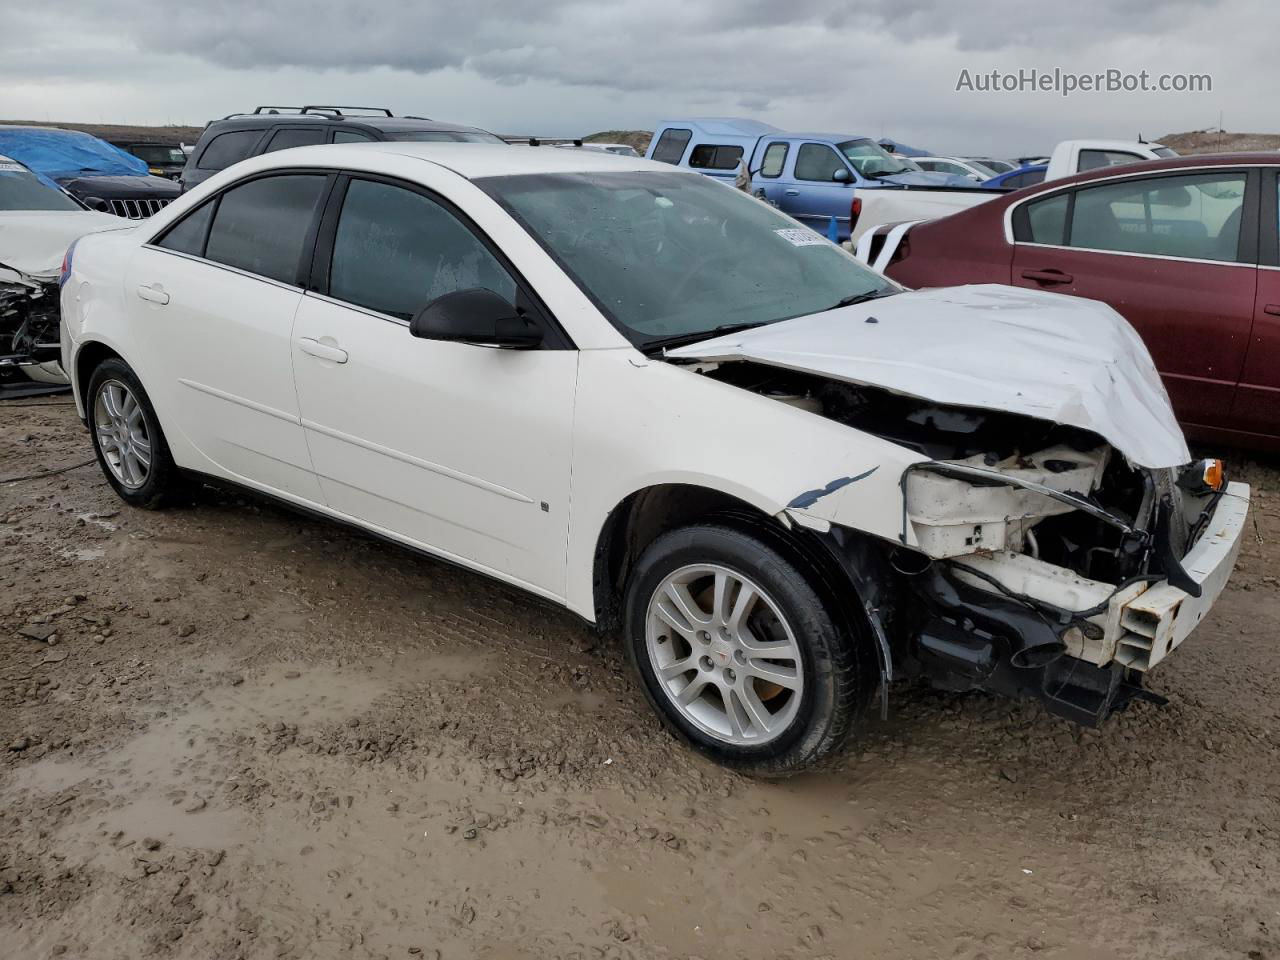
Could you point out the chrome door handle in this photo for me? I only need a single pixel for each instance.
(153, 293)
(324, 351)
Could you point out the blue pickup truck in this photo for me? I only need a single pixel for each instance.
(811, 176)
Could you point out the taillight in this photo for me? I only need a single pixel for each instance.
(1215, 474)
(65, 273)
(855, 211)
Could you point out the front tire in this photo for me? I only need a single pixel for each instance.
(127, 438)
(738, 653)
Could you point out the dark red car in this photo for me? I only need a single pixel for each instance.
(1186, 249)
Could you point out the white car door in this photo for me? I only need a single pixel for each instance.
(457, 448)
(213, 300)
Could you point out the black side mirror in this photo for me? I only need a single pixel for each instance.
(478, 316)
(97, 203)
(841, 176)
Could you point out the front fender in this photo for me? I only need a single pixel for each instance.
(640, 423)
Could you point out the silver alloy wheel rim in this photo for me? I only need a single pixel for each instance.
(723, 654)
(122, 433)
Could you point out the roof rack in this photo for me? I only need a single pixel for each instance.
(328, 111)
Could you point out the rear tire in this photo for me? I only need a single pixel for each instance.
(127, 439)
(738, 653)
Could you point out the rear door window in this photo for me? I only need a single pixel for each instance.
(287, 137)
(671, 145)
(1046, 220)
(262, 226)
(1194, 217)
(817, 161)
(228, 148)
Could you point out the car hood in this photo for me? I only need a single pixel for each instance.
(1063, 359)
(144, 187)
(927, 178)
(33, 242)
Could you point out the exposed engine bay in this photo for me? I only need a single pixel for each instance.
(29, 347)
(1040, 561)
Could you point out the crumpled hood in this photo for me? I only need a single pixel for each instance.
(34, 242)
(1063, 359)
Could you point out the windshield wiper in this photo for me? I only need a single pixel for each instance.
(855, 298)
(680, 339)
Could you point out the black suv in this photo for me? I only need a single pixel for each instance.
(243, 135)
(163, 159)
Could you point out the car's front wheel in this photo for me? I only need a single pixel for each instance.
(127, 438)
(738, 653)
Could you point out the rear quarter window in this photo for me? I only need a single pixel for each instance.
(671, 145)
(710, 156)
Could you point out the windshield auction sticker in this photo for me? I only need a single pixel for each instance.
(800, 237)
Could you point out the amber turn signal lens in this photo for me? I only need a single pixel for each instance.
(1214, 474)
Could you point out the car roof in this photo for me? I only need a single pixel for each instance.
(470, 160)
(833, 137)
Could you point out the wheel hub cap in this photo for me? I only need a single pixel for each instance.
(724, 655)
(122, 433)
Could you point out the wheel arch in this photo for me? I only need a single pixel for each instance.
(88, 356)
(643, 516)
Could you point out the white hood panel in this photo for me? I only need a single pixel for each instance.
(34, 241)
(1063, 359)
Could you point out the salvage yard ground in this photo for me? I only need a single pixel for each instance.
(235, 732)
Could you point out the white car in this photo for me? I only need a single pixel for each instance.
(38, 221)
(973, 169)
(660, 403)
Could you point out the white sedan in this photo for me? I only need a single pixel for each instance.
(665, 406)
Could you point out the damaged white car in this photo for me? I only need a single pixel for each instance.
(38, 221)
(661, 404)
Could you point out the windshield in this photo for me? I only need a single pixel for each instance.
(20, 189)
(668, 255)
(872, 160)
(445, 136)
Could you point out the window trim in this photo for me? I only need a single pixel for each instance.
(555, 337)
(782, 168)
(1269, 213)
(325, 137)
(795, 172)
(1248, 218)
(306, 255)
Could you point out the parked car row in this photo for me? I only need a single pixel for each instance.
(626, 388)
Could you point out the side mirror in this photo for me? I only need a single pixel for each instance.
(97, 203)
(477, 316)
(841, 176)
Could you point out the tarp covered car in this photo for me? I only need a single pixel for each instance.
(38, 221)
(103, 176)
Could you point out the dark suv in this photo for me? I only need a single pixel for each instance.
(242, 135)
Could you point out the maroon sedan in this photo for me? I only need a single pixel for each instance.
(1185, 249)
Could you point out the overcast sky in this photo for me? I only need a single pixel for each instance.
(562, 67)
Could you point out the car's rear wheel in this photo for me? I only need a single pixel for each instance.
(738, 653)
(127, 438)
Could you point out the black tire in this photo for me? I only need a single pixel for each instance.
(164, 480)
(834, 693)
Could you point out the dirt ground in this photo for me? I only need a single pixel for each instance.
(230, 732)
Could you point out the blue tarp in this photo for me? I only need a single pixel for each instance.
(64, 154)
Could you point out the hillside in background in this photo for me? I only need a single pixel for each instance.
(114, 131)
(633, 138)
(1217, 141)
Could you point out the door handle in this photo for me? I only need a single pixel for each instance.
(324, 351)
(792, 193)
(1272, 309)
(153, 293)
(1047, 276)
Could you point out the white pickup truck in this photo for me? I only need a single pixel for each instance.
(913, 204)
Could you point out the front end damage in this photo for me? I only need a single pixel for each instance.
(29, 337)
(1064, 574)
(1032, 558)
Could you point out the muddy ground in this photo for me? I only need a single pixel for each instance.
(229, 731)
